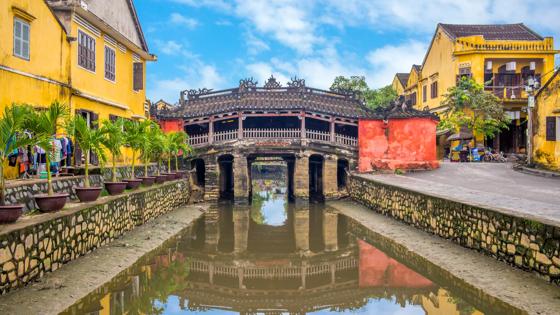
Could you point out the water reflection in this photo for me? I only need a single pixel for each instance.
(250, 259)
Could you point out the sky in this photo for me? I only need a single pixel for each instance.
(215, 43)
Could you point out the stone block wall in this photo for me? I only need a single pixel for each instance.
(522, 242)
(22, 192)
(43, 243)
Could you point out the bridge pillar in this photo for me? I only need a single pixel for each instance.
(330, 184)
(301, 229)
(330, 230)
(240, 230)
(241, 178)
(301, 177)
(211, 231)
(211, 188)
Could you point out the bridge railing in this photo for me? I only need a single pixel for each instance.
(272, 133)
(313, 135)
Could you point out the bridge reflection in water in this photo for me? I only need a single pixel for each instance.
(254, 259)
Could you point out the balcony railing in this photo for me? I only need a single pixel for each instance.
(507, 92)
(313, 135)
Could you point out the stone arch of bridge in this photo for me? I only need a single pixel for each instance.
(226, 179)
(198, 168)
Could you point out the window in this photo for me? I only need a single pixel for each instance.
(434, 90)
(551, 128)
(109, 63)
(413, 99)
(86, 51)
(21, 39)
(424, 93)
(138, 73)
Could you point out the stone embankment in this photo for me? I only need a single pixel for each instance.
(522, 242)
(42, 243)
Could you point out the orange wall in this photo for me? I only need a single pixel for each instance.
(171, 125)
(398, 144)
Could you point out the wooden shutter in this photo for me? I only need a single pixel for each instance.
(551, 128)
(138, 76)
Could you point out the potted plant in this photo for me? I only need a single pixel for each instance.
(90, 141)
(11, 138)
(113, 141)
(44, 124)
(133, 138)
(157, 149)
(169, 147)
(146, 150)
(179, 147)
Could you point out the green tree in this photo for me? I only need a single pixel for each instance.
(158, 145)
(374, 98)
(113, 140)
(44, 124)
(146, 146)
(469, 105)
(11, 138)
(178, 145)
(134, 137)
(89, 140)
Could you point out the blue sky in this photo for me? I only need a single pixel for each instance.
(214, 43)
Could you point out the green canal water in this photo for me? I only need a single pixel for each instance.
(277, 257)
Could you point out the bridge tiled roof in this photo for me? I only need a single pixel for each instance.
(274, 97)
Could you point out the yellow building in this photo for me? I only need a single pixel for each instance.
(35, 55)
(399, 82)
(546, 139)
(502, 56)
(88, 54)
(108, 53)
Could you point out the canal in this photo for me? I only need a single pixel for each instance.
(274, 256)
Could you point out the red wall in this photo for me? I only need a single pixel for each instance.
(406, 143)
(379, 270)
(171, 125)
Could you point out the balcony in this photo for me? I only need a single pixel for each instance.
(202, 140)
(508, 92)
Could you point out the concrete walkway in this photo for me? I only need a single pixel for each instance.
(491, 185)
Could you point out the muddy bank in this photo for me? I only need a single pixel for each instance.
(517, 288)
(59, 290)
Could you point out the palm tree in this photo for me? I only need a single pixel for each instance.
(89, 140)
(134, 137)
(12, 137)
(113, 140)
(45, 124)
(158, 145)
(146, 147)
(179, 145)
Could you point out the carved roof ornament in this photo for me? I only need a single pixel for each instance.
(193, 93)
(298, 84)
(247, 84)
(271, 83)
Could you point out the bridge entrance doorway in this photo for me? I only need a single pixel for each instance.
(271, 174)
(316, 163)
(199, 168)
(226, 184)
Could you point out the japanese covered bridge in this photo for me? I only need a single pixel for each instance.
(315, 132)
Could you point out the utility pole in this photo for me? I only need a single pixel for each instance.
(531, 87)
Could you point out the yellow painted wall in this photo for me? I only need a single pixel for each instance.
(49, 51)
(94, 83)
(441, 304)
(547, 153)
(397, 86)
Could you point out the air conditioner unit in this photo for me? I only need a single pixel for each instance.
(489, 65)
(84, 4)
(511, 66)
(532, 65)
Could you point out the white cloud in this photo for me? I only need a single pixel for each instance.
(255, 45)
(169, 47)
(390, 59)
(178, 19)
(287, 21)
